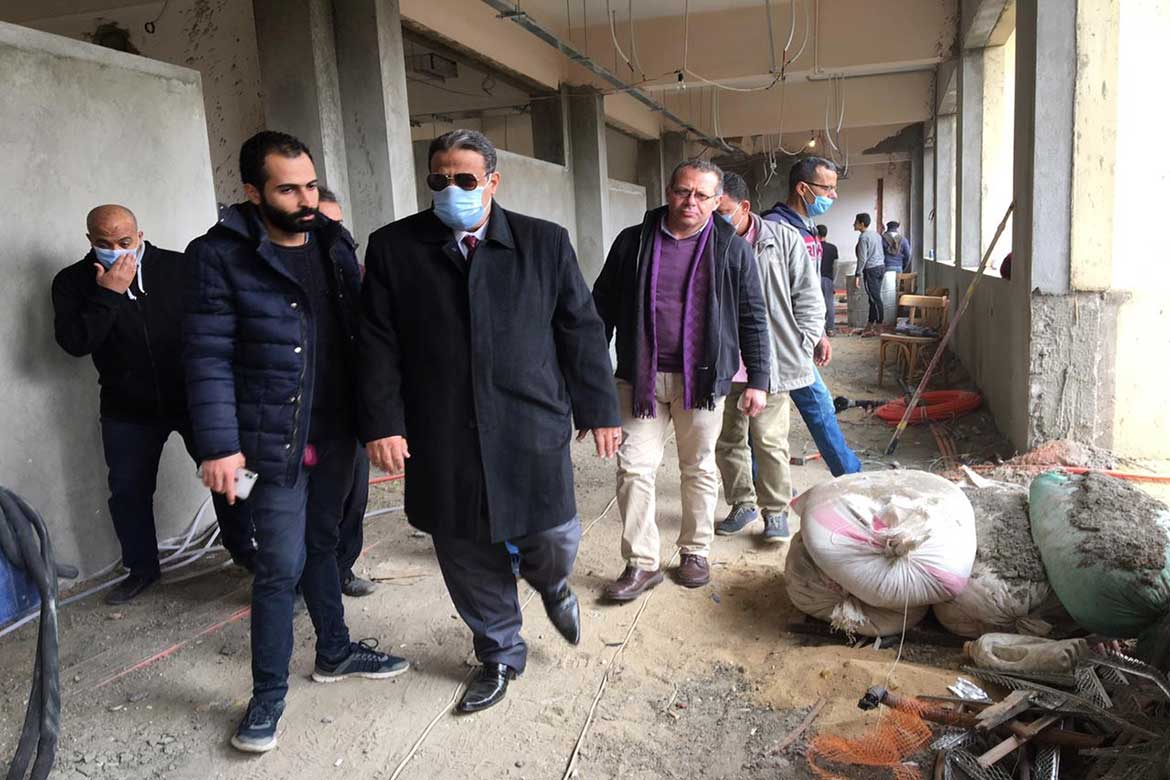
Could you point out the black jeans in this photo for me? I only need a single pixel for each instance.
(830, 294)
(132, 450)
(873, 290)
(350, 537)
(296, 541)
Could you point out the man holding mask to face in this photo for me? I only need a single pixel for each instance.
(121, 304)
(481, 349)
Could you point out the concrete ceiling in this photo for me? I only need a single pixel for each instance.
(562, 14)
(21, 11)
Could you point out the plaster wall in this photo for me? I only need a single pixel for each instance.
(627, 206)
(216, 38)
(621, 155)
(73, 98)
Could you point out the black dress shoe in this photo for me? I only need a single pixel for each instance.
(565, 613)
(129, 588)
(488, 688)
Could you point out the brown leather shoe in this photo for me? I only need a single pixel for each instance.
(693, 572)
(632, 584)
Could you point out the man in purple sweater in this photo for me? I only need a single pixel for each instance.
(682, 292)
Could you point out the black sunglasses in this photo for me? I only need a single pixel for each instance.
(464, 181)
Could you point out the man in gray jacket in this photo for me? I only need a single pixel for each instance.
(796, 321)
(871, 266)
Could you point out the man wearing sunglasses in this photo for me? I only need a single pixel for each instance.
(812, 190)
(682, 293)
(481, 349)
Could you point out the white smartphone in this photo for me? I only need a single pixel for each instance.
(245, 479)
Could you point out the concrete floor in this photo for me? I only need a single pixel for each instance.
(703, 682)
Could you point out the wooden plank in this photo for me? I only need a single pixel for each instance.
(1020, 737)
(1016, 703)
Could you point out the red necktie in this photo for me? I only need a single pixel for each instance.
(471, 242)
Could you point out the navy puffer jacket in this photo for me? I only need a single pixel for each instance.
(249, 338)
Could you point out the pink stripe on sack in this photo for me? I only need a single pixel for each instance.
(832, 520)
(954, 583)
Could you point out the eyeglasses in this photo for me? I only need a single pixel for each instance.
(828, 187)
(700, 197)
(464, 181)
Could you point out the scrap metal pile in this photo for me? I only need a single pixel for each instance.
(1108, 719)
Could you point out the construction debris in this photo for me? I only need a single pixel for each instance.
(1107, 720)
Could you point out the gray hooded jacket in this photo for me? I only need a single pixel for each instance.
(794, 302)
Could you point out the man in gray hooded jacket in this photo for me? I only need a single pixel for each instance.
(796, 322)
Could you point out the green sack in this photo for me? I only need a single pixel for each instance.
(1105, 544)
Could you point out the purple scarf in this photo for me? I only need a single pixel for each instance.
(695, 310)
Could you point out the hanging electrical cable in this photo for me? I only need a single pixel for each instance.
(634, 40)
(686, 32)
(771, 37)
(613, 34)
(804, 43)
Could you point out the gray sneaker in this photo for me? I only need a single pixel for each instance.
(740, 516)
(776, 527)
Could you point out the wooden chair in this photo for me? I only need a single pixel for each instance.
(910, 351)
(907, 284)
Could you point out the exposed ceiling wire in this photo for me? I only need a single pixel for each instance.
(771, 38)
(804, 42)
(634, 41)
(150, 26)
(613, 34)
(686, 32)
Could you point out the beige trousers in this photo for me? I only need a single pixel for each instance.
(643, 444)
(772, 488)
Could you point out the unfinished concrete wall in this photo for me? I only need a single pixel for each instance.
(627, 206)
(69, 148)
(218, 39)
(621, 155)
(527, 185)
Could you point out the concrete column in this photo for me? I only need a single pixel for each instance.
(914, 229)
(1046, 68)
(298, 73)
(372, 72)
(944, 188)
(674, 151)
(650, 172)
(549, 130)
(928, 205)
(969, 163)
(590, 167)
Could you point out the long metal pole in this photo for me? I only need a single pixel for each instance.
(946, 339)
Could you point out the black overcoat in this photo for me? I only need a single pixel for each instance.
(485, 367)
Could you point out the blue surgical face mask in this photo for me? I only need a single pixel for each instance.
(459, 209)
(107, 257)
(820, 204)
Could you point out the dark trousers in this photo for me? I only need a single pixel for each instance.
(349, 543)
(830, 293)
(873, 290)
(296, 540)
(133, 450)
(483, 588)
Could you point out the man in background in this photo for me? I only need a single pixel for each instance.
(812, 190)
(871, 269)
(829, 255)
(350, 535)
(121, 304)
(896, 248)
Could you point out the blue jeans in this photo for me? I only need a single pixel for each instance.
(296, 540)
(816, 407)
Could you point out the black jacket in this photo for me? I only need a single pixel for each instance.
(135, 343)
(249, 341)
(484, 367)
(741, 324)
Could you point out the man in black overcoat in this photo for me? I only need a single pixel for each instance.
(481, 349)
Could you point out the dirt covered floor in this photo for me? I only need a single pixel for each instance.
(686, 683)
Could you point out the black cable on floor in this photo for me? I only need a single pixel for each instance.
(24, 540)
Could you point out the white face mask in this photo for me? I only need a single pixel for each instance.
(107, 257)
